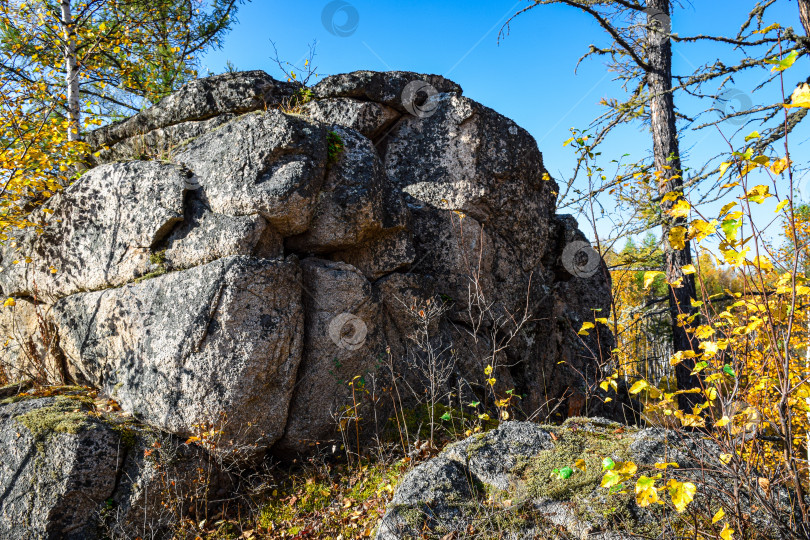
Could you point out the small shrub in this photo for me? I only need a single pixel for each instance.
(334, 147)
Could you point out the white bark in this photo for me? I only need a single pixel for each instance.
(71, 72)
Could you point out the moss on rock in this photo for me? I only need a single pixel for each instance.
(66, 414)
(571, 445)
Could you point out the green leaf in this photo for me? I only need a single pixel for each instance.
(475, 404)
(564, 473)
(783, 64)
(446, 416)
(608, 464)
(730, 227)
(700, 366)
(729, 371)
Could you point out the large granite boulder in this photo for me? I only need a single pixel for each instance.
(282, 248)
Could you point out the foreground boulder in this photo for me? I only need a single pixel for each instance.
(255, 257)
(68, 471)
(511, 483)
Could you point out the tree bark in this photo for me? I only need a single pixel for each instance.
(71, 73)
(668, 164)
(804, 15)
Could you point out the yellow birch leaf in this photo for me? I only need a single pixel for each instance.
(628, 468)
(681, 493)
(680, 209)
(638, 386)
(779, 166)
(800, 97)
(758, 194)
(646, 492)
(677, 237)
(726, 208)
(610, 479)
(650, 276)
(671, 196)
(704, 332)
(585, 327)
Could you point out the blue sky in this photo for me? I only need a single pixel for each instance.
(529, 76)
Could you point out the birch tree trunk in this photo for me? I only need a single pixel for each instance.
(668, 163)
(71, 73)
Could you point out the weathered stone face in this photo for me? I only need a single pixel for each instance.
(370, 118)
(199, 100)
(357, 203)
(385, 88)
(100, 234)
(202, 288)
(217, 343)
(267, 163)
